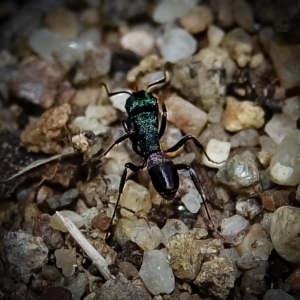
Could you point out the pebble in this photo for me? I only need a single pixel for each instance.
(239, 115)
(87, 96)
(94, 65)
(124, 227)
(273, 199)
(169, 10)
(66, 259)
(255, 243)
(102, 112)
(76, 285)
(57, 224)
(233, 229)
(50, 272)
(63, 22)
(247, 262)
(46, 133)
(216, 60)
(253, 282)
(285, 224)
(218, 152)
(62, 200)
(140, 42)
(243, 15)
(245, 138)
(266, 222)
(215, 35)
(277, 294)
(172, 228)
(239, 45)
(286, 58)
(216, 278)
(147, 235)
(176, 44)
(23, 253)
(52, 238)
(136, 198)
(224, 13)
(291, 107)
(128, 269)
(197, 19)
(67, 50)
(198, 83)
(239, 172)
(86, 124)
(215, 114)
(90, 17)
(285, 164)
(37, 82)
(279, 126)
(120, 289)
(192, 201)
(115, 161)
(56, 292)
(213, 131)
(156, 273)
(184, 256)
(294, 281)
(184, 115)
(248, 208)
(257, 60)
(232, 255)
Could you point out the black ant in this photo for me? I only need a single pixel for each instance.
(141, 127)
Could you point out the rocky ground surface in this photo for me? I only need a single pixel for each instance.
(234, 83)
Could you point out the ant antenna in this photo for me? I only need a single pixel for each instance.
(109, 94)
(165, 79)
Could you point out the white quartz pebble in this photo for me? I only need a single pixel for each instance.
(218, 151)
(176, 44)
(156, 273)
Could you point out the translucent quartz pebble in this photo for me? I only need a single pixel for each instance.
(136, 198)
(66, 259)
(192, 201)
(285, 224)
(169, 10)
(57, 224)
(246, 138)
(172, 227)
(218, 152)
(285, 164)
(233, 229)
(239, 172)
(177, 44)
(291, 107)
(146, 235)
(156, 273)
(215, 35)
(66, 50)
(256, 243)
(279, 126)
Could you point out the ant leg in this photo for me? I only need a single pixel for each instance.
(162, 80)
(163, 123)
(196, 142)
(118, 141)
(109, 94)
(133, 168)
(197, 184)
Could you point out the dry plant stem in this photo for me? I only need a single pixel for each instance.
(91, 252)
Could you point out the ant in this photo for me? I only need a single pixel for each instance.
(142, 129)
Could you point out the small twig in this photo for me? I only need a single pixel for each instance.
(91, 252)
